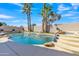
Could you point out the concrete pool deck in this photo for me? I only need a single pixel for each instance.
(15, 49)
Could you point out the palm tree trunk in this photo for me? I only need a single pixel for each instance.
(29, 22)
(43, 25)
(46, 24)
(45, 21)
(47, 27)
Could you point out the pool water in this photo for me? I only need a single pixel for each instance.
(25, 38)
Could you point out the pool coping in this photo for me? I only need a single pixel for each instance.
(15, 49)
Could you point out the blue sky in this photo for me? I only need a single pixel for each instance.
(11, 13)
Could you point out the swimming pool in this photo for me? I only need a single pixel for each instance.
(25, 38)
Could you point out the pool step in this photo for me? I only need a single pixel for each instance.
(74, 44)
(70, 45)
(68, 38)
(61, 49)
(68, 50)
(77, 41)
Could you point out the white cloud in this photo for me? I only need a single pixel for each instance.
(75, 5)
(18, 4)
(5, 16)
(74, 12)
(62, 7)
(15, 21)
(65, 15)
(75, 17)
(50, 3)
(18, 21)
(19, 11)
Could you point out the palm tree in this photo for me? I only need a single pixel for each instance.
(27, 10)
(45, 13)
(53, 17)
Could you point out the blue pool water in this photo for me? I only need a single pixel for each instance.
(25, 38)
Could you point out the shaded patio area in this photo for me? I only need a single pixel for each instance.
(15, 49)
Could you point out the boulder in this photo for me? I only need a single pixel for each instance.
(61, 32)
(49, 44)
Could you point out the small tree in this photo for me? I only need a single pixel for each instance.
(2, 23)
